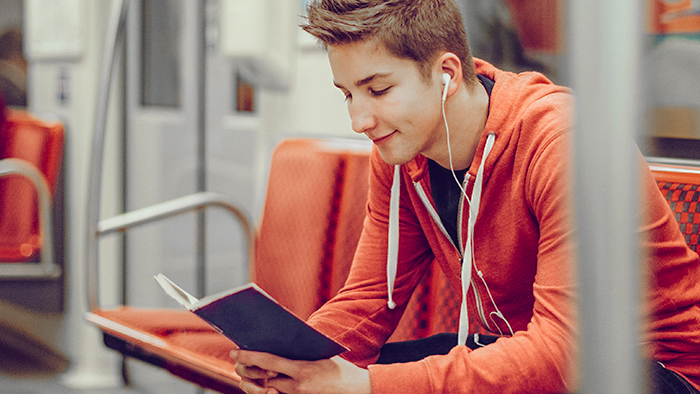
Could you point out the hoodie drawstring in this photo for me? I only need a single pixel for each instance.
(393, 240)
(468, 258)
(393, 252)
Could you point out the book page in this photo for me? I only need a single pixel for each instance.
(174, 291)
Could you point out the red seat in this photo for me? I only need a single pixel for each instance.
(312, 218)
(40, 144)
(679, 184)
(311, 222)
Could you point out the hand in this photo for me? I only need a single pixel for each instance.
(264, 373)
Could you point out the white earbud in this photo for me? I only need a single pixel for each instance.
(445, 81)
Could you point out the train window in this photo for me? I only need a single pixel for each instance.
(160, 53)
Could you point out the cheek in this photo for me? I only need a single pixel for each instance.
(423, 113)
(411, 109)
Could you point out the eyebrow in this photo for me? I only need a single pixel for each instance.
(364, 81)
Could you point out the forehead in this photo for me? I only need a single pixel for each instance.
(353, 62)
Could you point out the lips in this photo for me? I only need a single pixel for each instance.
(381, 139)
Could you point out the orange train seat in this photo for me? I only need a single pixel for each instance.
(537, 23)
(31, 211)
(679, 182)
(39, 144)
(310, 225)
(316, 244)
(316, 250)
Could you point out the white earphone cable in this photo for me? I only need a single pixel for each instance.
(449, 148)
(474, 210)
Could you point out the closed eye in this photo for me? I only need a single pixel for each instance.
(381, 92)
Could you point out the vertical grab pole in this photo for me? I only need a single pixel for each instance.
(201, 147)
(605, 39)
(114, 40)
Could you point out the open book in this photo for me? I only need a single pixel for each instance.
(255, 321)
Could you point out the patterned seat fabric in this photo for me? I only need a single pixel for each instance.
(683, 199)
(311, 222)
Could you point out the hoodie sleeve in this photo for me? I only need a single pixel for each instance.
(358, 316)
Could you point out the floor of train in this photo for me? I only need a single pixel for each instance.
(144, 379)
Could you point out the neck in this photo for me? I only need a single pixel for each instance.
(466, 113)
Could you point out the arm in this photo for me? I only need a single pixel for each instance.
(358, 316)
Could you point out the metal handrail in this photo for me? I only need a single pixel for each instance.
(46, 268)
(192, 202)
(171, 208)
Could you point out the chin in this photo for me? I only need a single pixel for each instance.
(392, 159)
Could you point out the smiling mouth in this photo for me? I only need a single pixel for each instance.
(380, 139)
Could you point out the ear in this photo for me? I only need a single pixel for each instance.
(448, 63)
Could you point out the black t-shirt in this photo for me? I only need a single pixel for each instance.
(446, 193)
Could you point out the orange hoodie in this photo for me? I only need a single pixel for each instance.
(522, 277)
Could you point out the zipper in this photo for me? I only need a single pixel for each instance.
(461, 213)
(433, 214)
(460, 250)
(479, 305)
(477, 298)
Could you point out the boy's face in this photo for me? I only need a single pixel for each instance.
(389, 101)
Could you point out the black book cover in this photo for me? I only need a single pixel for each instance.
(255, 321)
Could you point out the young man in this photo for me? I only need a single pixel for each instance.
(471, 169)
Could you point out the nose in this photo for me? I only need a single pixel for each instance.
(362, 116)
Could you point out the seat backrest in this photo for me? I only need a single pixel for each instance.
(40, 143)
(679, 184)
(311, 222)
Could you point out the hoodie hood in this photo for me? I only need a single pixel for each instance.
(509, 93)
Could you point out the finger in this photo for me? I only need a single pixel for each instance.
(253, 372)
(265, 361)
(255, 387)
(248, 370)
(283, 384)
